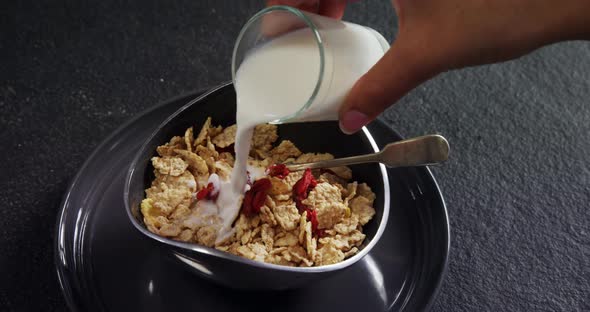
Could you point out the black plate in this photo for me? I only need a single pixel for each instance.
(104, 264)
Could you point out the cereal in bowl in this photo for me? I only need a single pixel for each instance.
(301, 218)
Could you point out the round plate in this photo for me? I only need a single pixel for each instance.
(104, 264)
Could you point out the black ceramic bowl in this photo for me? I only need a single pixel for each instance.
(231, 270)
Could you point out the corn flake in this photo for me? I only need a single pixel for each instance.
(292, 178)
(343, 172)
(332, 179)
(227, 157)
(285, 150)
(278, 187)
(347, 225)
(264, 136)
(196, 164)
(365, 191)
(289, 239)
(267, 234)
(313, 157)
(173, 166)
(287, 215)
(361, 206)
(169, 230)
(202, 136)
(168, 148)
(327, 202)
(349, 192)
(267, 216)
(185, 236)
(353, 251)
(209, 156)
(214, 131)
(206, 235)
(299, 255)
(254, 221)
(246, 236)
(189, 139)
(310, 241)
(283, 259)
(337, 241)
(302, 227)
(259, 251)
(226, 138)
(167, 192)
(278, 250)
(245, 251)
(223, 169)
(330, 254)
(355, 237)
(180, 213)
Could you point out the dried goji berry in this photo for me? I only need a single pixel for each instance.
(254, 198)
(312, 216)
(312, 183)
(302, 188)
(261, 185)
(247, 203)
(258, 201)
(278, 170)
(320, 233)
(207, 193)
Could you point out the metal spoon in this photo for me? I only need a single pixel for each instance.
(420, 151)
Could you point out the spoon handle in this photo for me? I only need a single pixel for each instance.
(419, 151)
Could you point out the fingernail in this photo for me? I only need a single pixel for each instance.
(352, 121)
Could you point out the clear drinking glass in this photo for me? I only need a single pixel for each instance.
(342, 53)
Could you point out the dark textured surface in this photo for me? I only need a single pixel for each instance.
(517, 186)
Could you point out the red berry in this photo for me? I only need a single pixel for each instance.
(258, 201)
(254, 198)
(302, 188)
(278, 170)
(207, 193)
(312, 216)
(261, 185)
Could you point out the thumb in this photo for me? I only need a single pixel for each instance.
(399, 71)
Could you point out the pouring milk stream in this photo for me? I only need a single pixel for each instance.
(299, 75)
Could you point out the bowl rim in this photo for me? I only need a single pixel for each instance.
(228, 256)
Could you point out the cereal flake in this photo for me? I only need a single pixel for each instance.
(189, 139)
(173, 166)
(287, 215)
(327, 201)
(226, 138)
(264, 136)
(361, 206)
(285, 150)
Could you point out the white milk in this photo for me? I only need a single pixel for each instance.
(278, 78)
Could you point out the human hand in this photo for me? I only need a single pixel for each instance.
(329, 8)
(273, 25)
(440, 35)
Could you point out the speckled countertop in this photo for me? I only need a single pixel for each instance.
(517, 185)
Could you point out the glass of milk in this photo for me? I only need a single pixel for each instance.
(292, 66)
